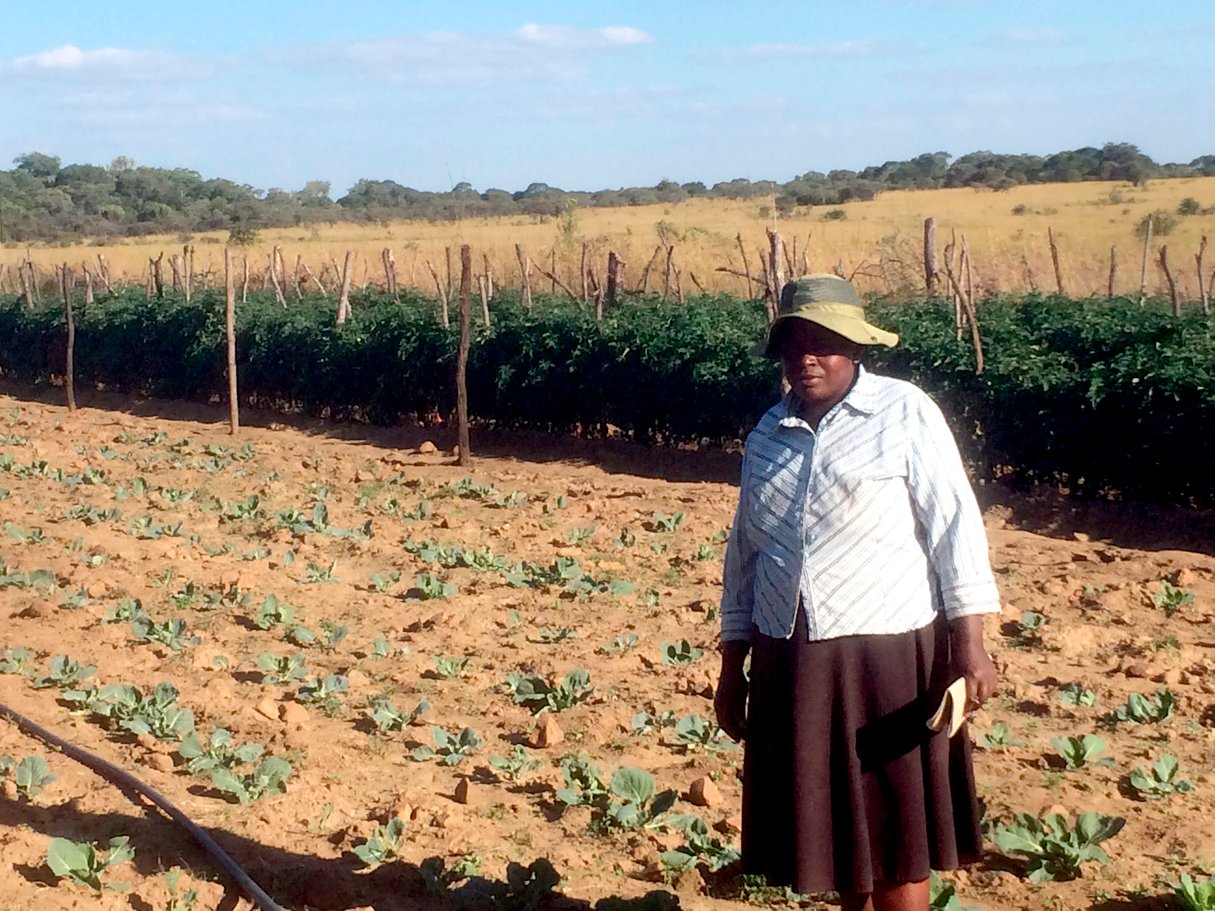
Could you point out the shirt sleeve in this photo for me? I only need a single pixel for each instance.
(948, 514)
(738, 576)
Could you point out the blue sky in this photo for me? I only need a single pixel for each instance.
(590, 96)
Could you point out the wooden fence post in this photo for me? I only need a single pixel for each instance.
(489, 275)
(483, 286)
(775, 271)
(1168, 274)
(69, 375)
(444, 316)
(1147, 240)
(274, 273)
(344, 296)
(26, 281)
(666, 282)
(525, 271)
(746, 265)
(88, 284)
(104, 268)
(645, 273)
(613, 269)
(931, 273)
(1202, 288)
(1054, 257)
(585, 288)
(1109, 290)
(230, 328)
(390, 274)
(953, 283)
(970, 279)
(158, 275)
(462, 355)
(187, 265)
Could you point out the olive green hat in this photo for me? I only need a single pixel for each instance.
(832, 303)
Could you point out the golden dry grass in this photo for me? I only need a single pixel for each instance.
(878, 241)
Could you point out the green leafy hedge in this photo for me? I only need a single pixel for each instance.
(1103, 396)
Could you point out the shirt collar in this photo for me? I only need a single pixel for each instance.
(861, 398)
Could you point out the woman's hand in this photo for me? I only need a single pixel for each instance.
(970, 660)
(730, 697)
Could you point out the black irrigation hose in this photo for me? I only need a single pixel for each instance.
(123, 778)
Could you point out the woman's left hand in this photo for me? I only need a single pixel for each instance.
(980, 673)
(970, 660)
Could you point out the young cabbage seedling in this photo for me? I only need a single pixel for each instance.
(1160, 780)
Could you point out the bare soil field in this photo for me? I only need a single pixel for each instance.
(408, 580)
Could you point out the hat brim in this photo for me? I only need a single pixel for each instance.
(851, 328)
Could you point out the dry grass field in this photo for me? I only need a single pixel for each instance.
(878, 241)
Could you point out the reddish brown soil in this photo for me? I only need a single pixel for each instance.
(1092, 573)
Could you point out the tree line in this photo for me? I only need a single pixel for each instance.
(43, 199)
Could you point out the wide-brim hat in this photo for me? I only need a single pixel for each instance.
(831, 302)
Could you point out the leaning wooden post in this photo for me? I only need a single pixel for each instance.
(26, 291)
(187, 266)
(957, 294)
(525, 270)
(931, 273)
(230, 327)
(970, 279)
(1109, 289)
(582, 267)
(274, 273)
(104, 268)
(483, 287)
(158, 275)
(972, 317)
(88, 284)
(442, 289)
(344, 297)
(613, 272)
(666, 282)
(645, 273)
(1147, 240)
(462, 354)
(1202, 288)
(489, 275)
(1168, 274)
(69, 375)
(1054, 257)
(746, 265)
(775, 271)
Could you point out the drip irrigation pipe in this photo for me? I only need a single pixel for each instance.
(121, 777)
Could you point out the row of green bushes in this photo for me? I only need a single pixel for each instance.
(1103, 396)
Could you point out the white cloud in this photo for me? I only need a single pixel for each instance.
(468, 58)
(569, 38)
(72, 62)
(757, 53)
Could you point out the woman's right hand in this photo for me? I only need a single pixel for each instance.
(730, 700)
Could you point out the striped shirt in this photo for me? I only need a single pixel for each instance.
(871, 520)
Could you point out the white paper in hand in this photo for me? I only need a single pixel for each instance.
(951, 713)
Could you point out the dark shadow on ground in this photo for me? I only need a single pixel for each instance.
(1140, 526)
(613, 455)
(296, 881)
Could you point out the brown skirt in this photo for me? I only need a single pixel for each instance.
(844, 787)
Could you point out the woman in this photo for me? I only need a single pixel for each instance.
(856, 578)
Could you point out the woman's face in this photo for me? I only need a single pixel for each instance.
(819, 364)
